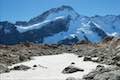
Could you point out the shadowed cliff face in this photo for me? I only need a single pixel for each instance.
(10, 35)
(49, 29)
(47, 13)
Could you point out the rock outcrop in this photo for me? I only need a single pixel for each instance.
(71, 69)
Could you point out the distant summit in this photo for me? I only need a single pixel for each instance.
(62, 25)
(53, 11)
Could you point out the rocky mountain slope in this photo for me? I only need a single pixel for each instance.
(107, 52)
(62, 25)
(104, 53)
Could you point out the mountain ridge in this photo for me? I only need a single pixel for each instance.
(58, 25)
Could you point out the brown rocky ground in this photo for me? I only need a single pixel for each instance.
(107, 52)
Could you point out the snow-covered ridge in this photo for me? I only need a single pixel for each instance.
(22, 29)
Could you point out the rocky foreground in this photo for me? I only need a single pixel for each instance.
(105, 53)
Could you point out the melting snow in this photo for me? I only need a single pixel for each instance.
(50, 68)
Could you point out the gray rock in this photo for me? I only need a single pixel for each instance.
(79, 56)
(90, 76)
(116, 58)
(118, 63)
(21, 67)
(34, 65)
(87, 58)
(71, 69)
(112, 75)
(102, 73)
(100, 59)
(71, 78)
(4, 68)
(23, 57)
(72, 63)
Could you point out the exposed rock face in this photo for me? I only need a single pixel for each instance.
(96, 30)
(71, 69)
(21, 23)
(46, 14)
(107, 39)
(8, 33)
(69, 41)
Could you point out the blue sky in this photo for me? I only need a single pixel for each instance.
(15, 10)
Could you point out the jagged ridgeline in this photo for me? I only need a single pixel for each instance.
(62, 25)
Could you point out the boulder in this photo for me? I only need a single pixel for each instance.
(87, 58)
(23, 57)
(21, 67)
(79, 56)
(99, 69)
(72, 63)
(116, 58)
(118, 63)
(71, 69)
(34, 65)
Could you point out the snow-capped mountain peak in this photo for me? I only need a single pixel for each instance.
(62, 25)
(55, 12)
